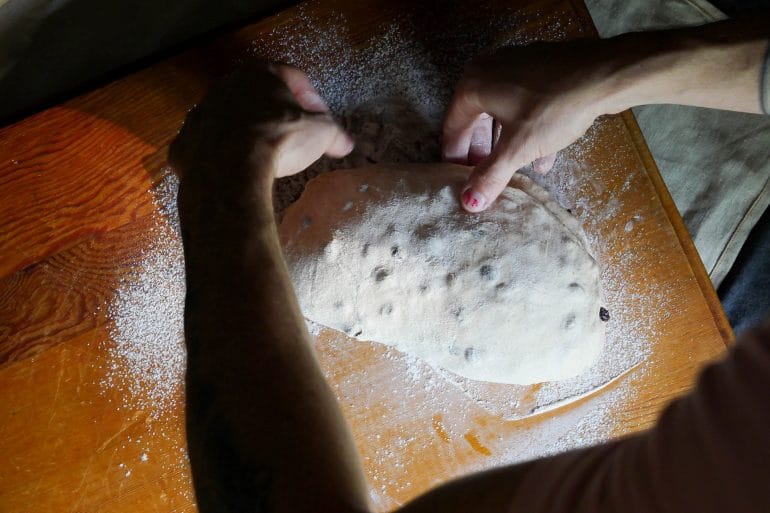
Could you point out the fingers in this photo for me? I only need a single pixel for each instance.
(341, 144)
(490, 177)
(481, 139)
(303, 91)
(308, 98)
(319, 135)
(544, 164)
(463, 117)
(309, 139)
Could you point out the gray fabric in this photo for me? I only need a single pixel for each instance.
(764, 87)
(613, 17)
(716, 164)
(19, 21)
(48, 47)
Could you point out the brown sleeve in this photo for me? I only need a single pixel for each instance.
(709, 452)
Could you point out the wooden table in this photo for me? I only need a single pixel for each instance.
(77, 221)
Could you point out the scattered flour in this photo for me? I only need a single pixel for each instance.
(147, 354)
(511, 295)
(390, 92)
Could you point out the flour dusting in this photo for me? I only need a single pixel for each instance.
(147, 354)
(510, 295)
(390, 92)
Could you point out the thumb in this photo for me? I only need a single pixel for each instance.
(306, 141)
(544, 164)
(490, 176)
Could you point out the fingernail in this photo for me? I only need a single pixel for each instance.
(474, 200)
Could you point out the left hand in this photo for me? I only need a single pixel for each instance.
(265, 118)
(544, 96)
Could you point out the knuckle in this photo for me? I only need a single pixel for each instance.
(493, 180)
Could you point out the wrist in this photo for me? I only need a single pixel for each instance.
(715, 66)
(225, 193)
(639, 69)
(231, 172)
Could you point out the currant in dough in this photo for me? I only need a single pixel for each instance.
(386, 254)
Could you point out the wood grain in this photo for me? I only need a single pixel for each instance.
(69, 176)
(67, 294)
(78, 219)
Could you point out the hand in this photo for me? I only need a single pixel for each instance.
(544, 96)
(264, 118)
(248, 346)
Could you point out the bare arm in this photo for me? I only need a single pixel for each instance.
(708, 453)
(546, 95)
(717, 66)
(264, 431)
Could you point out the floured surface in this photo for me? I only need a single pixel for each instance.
(93, 414)
(415, 425)
(386, 254)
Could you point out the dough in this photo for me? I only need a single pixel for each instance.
(511, 295)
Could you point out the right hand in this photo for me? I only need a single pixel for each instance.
(266, 118)
(544, 96)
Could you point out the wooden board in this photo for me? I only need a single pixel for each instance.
(77, 222)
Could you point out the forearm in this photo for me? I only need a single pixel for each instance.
(716, 66)
(707, 453)
(265, 432)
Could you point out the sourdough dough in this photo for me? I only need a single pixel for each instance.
(511, 295)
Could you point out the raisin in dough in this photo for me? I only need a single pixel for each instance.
(385, 254)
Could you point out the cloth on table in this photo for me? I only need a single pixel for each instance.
(49, 47)
(716, 164)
